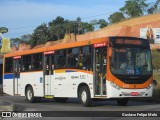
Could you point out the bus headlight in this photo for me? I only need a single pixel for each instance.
(115, 86)
(149, 86)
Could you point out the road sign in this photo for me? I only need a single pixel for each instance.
(3, 30)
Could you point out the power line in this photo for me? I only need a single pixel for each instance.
(24, 27)
(96, 15)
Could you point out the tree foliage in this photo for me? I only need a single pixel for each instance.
(26, 38)
(103, 23)
(58, 27)
(134, 8)
(154, 8)
(116, 17)
(40, 35)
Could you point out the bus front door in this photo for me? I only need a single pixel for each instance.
(16, 77)
(100, 71)
(48, 71)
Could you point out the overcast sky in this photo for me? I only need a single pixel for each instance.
(23, 16)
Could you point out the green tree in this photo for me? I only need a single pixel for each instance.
(40, 35)
(154, 8)
(116, 17)
(57, 28)
(15, 41)
(134, 8)
(84, 27)
(26, 37)
(87, 27)
(103, 23)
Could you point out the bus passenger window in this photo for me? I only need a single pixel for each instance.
(37, 61)
(85, 57)
(60, 59)
(72, 57)
(26, 61)
(8, 65)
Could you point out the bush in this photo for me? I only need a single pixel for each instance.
(156, 75)
(156, 59)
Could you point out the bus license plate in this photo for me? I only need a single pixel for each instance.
(134, 93)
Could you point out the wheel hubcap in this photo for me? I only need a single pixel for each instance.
(84, 96)
(29, 94)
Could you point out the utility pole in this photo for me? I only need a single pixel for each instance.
(75, 30)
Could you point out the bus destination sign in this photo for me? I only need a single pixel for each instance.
(126, 41)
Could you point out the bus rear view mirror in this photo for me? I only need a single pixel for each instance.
(155, 82)
(110, 52)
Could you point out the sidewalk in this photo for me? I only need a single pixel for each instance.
(5, 105)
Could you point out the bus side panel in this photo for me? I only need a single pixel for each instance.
(66, 84)
(35, 79)
(60, 84)
(8, 84)
(75, 79)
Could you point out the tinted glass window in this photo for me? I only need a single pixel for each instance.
(85, 57)
(9, 65)
(37, 61)
(72, 57)
(27, 64)
(60, 59)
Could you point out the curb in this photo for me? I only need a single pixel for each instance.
(149, 100)
(6, 106)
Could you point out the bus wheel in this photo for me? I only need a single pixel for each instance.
(85, 96)
(61, 100)
(122, 101)
(30, 95)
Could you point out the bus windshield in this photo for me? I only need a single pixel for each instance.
(131, 61)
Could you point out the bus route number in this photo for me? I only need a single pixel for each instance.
(82, 76)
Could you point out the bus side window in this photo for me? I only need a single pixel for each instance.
(26, 63)
(8, 65)
(60, 59)
(85, 57)
(37, 61)
(72, 57)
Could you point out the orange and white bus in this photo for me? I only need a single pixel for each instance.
(102, 68)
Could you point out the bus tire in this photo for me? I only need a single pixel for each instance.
(61, 100)
(30, 95)
(85, 97)
(122, 101)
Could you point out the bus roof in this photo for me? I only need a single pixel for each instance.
(58, 46)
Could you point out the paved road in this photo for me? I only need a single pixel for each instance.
(74, 105)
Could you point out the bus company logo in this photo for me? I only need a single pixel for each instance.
(60, 78)
(74, 77)
(6, 115)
